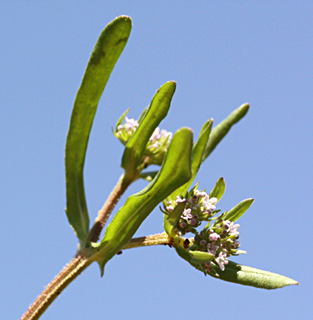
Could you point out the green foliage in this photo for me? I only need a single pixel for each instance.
(252, 277)
(102, 61)
(236, 212)
(179, 167)
(220, 131)
(176, 170)
(237, 273)
(180, 160)
(134, 150)
(197, 155)
(218, 190)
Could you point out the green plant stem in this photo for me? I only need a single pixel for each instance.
(74, 268)
(105, 211)
(82, 259)
(154, 240)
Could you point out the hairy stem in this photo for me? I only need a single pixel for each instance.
(105, 211)
(74, 268)
(154, 240)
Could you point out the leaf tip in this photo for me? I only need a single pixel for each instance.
(245, 107)
(288, 282)
(125, 18)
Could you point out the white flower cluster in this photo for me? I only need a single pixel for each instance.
(157, 145)
(220, 240)
(159, 140)
(199, 207)
(126, 130)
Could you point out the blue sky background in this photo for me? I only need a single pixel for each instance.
(221, 54)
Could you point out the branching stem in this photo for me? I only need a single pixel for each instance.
(74, 268)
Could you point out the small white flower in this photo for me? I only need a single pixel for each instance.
(131, 124)
(233, 228)
(208, 204)
(214, 236)
(200, 194)
(187, 214)
(180, 200)
(221, 260)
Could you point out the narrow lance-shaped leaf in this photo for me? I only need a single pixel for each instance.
(236, 273)
(197, 154)
(176, 170)
(103, 58)
(157, 111)
(237, 211)
(218, 190)
(252, 277)
(220, 131)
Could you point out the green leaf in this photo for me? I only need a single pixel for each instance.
(218, 190)
(157, 111)
(103, 58)
(252, 277)
(176, 170)
(236, 273)
(220, 131)
(237, 211)
(197, 154)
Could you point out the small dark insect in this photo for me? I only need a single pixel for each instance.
(186, 244)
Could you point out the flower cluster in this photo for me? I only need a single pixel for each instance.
(159, 141)
(157, 145)
(219, 240)
(125, 131)
(198, 207)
